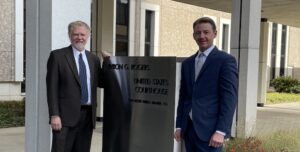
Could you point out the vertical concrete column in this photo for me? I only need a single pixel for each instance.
(138, 10)
(106, 36)
(278, 50)
(269, 58)
(132, 27)
(38, 46)
(263, 58)
(19, 39)
(108, 25)
(245, 47)
(287, 71)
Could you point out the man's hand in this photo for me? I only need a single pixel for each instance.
(56, 123)
(105, 54)
(216, 140)
(177, 135)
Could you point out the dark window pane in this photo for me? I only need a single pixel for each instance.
(225, 37)
(122, 27)
(282, 69)
(147, 50)
(283, 40)
(273, 51)
(148, 31)
(283, 50)
(122, 48)
(122, 12)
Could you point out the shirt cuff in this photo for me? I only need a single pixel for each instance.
(221, 132)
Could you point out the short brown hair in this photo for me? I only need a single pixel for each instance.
(205, 20)
(78, 23)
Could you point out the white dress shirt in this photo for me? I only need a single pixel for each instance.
(76, 54)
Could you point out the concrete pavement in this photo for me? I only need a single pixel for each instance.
(270, 118)
(13, 140)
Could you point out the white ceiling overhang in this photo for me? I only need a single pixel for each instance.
(279, 11)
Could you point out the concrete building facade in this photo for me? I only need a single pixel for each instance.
(171, 33)
(294, 53)
(132, 28)
(11, 50)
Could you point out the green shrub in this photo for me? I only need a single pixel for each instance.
(284, 84)
(12, 114)
(296, 89)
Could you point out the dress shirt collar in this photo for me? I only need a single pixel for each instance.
(207, 51)
(77, 52)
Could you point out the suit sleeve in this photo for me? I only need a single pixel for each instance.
(52, 82)
(100, 73)
(182, 94)
(228, 94)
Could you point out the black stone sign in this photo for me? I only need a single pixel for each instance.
(139, 100)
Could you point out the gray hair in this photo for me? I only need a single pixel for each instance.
(74, 24)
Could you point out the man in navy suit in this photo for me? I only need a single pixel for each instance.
(208, 93)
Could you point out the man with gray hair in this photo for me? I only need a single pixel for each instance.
(73, 75)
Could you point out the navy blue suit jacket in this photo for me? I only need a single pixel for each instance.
(212, 97)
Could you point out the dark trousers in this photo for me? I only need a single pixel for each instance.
(77, 138)
(194, 144)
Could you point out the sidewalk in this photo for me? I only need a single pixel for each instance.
(12, 139)
(269, 119)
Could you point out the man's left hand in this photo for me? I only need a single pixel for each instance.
(216, 140)
(105, 54)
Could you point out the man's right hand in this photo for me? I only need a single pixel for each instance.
(177, 135)
(56, 123)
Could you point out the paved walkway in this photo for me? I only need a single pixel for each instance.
(12, 139)
(276, 117)
(269, 119)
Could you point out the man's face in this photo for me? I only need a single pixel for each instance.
(204, 35)
(78, 37)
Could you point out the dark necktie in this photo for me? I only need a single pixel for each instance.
(83, 81)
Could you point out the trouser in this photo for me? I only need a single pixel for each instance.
(194, 144)
(77, 138)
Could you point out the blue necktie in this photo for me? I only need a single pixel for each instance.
(83, 81)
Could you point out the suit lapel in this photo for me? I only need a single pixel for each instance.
(71, 61)
(91, 66)
(192, 68)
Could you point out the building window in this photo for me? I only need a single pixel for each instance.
(273, 51)
(149, 30)
(122, 28)
(23, 83)
(149, 16)
(283, 50)
(278, 50)
(224, 37)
